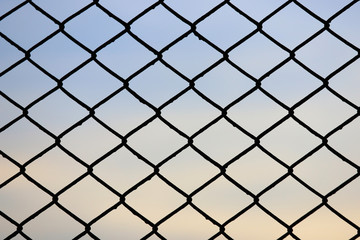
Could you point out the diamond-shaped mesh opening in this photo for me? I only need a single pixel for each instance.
(159, 27)
(91, 84)
(256, 112)
(32, 81)
(247, 169)
(183, 170)
(25, 199)
(226, 23)
(290, 83)
(27, 26)
(61, 112)
(221, 200)
(294, 201)
(59, 64)
(120, 224)
(187, 224)
(325, 54)
(289, 141)
(191, 56)
(222, 142)
(95, 33)
(316, 228)
(156, 141)
(323, 112)
(155, 199)
(87, 199)
(324, 171)
(55, 170)
(53, 223)
(157, 84)
(23, 141)
(90, 141)
(257, 55)
(179, 119)
(130, 112)
(224, 84)
(255, 224)
(122, 170)
(125, 56)
(189, 119)
(291, 32)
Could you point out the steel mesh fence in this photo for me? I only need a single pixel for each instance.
(122, 139)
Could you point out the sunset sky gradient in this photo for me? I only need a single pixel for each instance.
(188, 170)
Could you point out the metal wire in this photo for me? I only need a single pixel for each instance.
(158, 115)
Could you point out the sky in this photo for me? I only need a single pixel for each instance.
(188, 170)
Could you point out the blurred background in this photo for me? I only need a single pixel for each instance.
(230, 84)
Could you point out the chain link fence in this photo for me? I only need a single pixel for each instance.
(124, 139)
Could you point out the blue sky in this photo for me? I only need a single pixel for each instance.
(156, 84)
